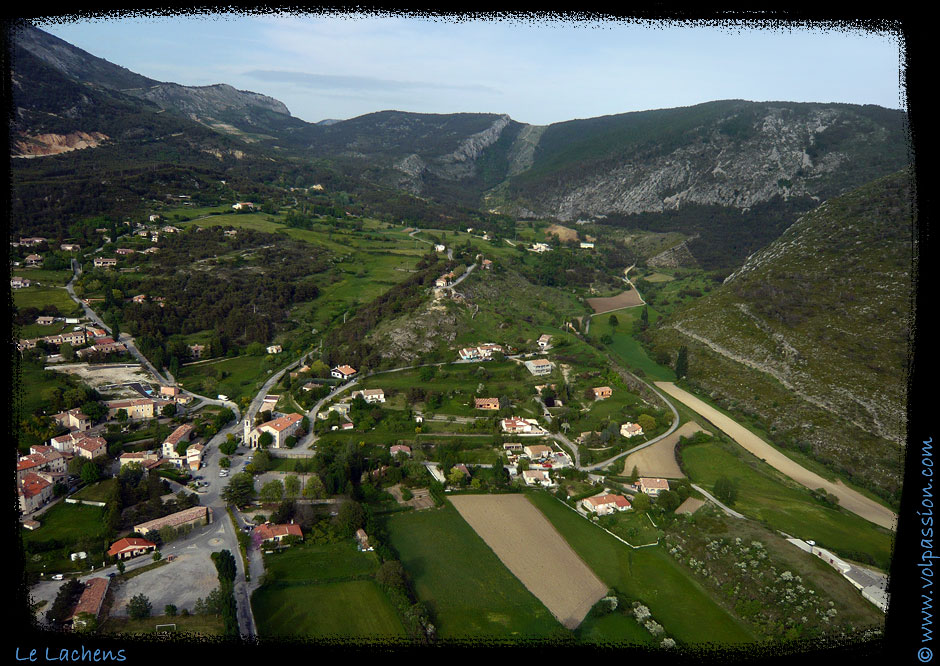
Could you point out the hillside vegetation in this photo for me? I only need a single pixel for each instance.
(810, 336)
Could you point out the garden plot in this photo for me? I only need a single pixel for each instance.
(625, 299)
(524, 540)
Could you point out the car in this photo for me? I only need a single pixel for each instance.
(58, 577)
(111, 575)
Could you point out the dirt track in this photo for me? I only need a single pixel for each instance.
(660, 459)
(848, 498)
(535, 553)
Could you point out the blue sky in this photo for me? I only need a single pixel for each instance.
(538, 72)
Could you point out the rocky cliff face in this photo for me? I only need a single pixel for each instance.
(206, 101)
(771, 160)
(55, 144)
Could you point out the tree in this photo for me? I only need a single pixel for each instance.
(169, 610)
(121, 415)
(635, 474)
(613, 321)
(668, 501)
(67, 351)
(139, 607)
(272, 491)
(121, 567)
(647, 422)
(314, 488)
(265, 440)
(90, 472)
(240, 489)
(157, 556)
(641, 502)
(292, 485)
(725, 490)
(682, 362)
(168, 410)
(351, 517)
(392, 575)
(455, 477)
(225, 463)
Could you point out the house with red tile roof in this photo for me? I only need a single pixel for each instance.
(537, 451)
(74, 419)
(52, 462)
(651, 487)
(34, 491)
(128, 547)
(486, 403)
(629, 430)
(136, 408)
(277, 533)
(606, 504)
(181, 434)
(343, 372)
(400, 448)
(91, 447)
(602, 392)
(197, 515)
(91, 600)
(280, 428)
(363, 540)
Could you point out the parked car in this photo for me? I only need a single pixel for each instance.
(58, 577)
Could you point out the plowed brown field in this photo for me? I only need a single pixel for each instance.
(626, 299)
(531, 548)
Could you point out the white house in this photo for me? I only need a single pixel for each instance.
(539, 366)
(371, 395)
(536, 477)
(628, 430)
(652, 487)
(280, 429)
(343, 372)
(274, 349)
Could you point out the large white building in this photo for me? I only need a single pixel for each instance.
(280, 428)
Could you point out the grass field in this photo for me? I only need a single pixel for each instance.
(97, 492)
(39, 297)
(237, 377)
(601, 631)
(648, 575)
(763, 495)
(354, 609)
(324, 591)
(625, 346)
(77, 526)
(44, 277)
(203, 625)
(473, 596)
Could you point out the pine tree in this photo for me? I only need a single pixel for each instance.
(682, 362)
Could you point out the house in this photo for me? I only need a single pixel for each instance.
(606, 504)
(136, 408)
(181, 434)
(280, 429)
(19, 282)
(196, 350)
(73, 419)
(105, 262)
(602, 392)
(194, 456)
(651, 487)
(363, 540)
(539, 366)
(277, 533)
(486, 403)
(400, 448)
(29, 242)
(128, 547)
(487, 349)
(91, 447)
(231, 233)
(139, 298)
(154, 218)
(69, 247)
(445, 280)
(243, 205)
(629, 430)
(538, 451)
(34, 491)
(343, 372)
(469, 354)
(49, 462)
(91, 600)
(171, 391)
(197, 515)
(513, 446)
(139, 457)
(33, 260)
(587, 246)
(463, 468)
(533, 477)
(515, 424)
(439, 248)
(540, 247)
(487, 263)
(371, 395)
(274, 349)
(124, 251)
(45, 321)
(544, 340)
(269, 403)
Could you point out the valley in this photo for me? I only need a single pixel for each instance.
(637, 380)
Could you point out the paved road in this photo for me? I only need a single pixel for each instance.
(849, 499)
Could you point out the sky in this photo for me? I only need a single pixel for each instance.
(537, 71)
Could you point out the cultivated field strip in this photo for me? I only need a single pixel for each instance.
(531, 548)
(625, 299)
(660, 459)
